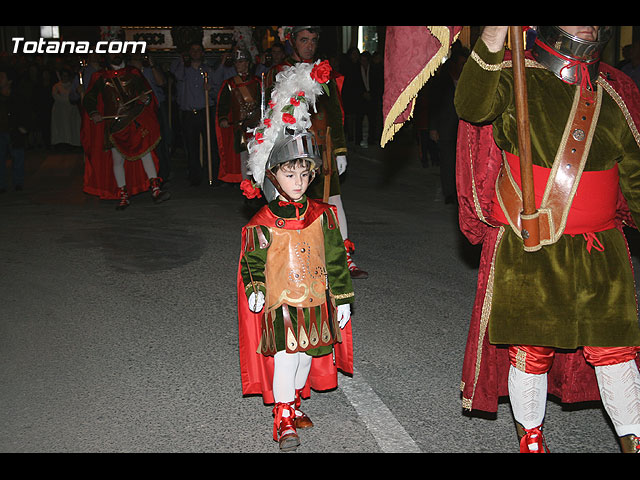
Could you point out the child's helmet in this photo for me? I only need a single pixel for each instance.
(292, 145)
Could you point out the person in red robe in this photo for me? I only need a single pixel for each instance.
(238, 111)
(120, 132)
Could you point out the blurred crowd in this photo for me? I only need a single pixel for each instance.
(45, 87)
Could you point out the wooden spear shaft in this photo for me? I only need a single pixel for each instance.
(206, 101)
(522, 113)
(328, 166)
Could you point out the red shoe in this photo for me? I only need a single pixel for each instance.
(284, 430)
(301, 420)
(124, 198)
(354, 271)
(157, 193)
(531, 440)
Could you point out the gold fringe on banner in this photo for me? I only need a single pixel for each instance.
(406, 98)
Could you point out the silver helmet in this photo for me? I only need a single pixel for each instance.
(242, 54)
(292, 145)
(568, 50)
(297, 29)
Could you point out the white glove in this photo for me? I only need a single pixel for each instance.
(344, 314)
(341, 163)
(256, 302)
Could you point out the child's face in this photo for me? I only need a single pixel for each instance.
(294, 181)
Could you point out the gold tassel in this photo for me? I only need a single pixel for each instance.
(408, 95)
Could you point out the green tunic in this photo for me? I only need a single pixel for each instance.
(340, 286)
(562, 295)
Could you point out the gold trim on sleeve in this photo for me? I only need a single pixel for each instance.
(342, 296)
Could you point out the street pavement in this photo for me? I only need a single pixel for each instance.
(118, 329)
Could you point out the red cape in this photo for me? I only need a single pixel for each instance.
(99, 179)
(256, 370)
(486, 366)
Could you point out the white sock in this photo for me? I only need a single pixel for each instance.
(619, 386)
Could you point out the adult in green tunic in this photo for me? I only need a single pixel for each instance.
(577, 291)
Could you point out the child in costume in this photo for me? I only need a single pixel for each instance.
(294, 286)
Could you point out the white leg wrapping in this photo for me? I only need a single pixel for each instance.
(528, 395)
(620, 392)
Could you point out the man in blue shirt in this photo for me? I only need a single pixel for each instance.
(190, 91)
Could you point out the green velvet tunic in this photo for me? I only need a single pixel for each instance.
(340, 286)
(562, 295)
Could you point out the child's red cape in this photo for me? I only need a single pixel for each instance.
(256, 369)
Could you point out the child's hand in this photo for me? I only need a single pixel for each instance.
(256, 302)
(344, 314)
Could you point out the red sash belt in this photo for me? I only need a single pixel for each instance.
(594, 205)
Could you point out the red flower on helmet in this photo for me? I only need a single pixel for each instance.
(249, 189)
(288, 118)
(321, 72)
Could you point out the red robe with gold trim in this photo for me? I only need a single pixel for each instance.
(99, 179)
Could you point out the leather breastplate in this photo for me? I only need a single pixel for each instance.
(295, 272)
(118, 90)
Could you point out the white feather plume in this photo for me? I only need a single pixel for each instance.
(294, 92)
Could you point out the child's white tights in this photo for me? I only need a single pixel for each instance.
(290, 372)
(336, 201)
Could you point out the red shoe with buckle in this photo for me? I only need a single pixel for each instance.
(284, 430)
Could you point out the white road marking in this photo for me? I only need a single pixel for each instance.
(381, 423)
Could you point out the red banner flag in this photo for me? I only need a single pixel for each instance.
(412, 54)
